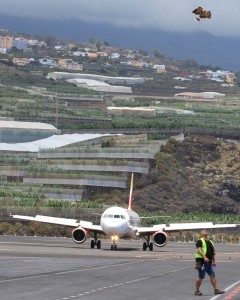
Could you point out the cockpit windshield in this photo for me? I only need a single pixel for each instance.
(114, 216)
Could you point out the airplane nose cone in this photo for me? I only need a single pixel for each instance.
(114, 228)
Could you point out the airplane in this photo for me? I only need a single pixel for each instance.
(118, 222)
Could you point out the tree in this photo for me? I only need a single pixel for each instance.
(91, 41)
(143, 52)
(99, 45)
(50, 40)
(157, 53)
(190, 63)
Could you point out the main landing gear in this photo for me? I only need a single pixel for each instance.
(147, 244)
(95, 241)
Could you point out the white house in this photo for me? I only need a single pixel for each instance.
(115, 55)
(160, 67)
(47, 62)
(79, 53)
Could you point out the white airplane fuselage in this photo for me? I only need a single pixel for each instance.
(120, 222)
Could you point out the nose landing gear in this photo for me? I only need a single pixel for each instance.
(114, 239)
(114, 247)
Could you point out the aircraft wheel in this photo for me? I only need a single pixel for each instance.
(111, 247)
(115, 247)
(151, 246)
(99, 244)
(144, 246)
(92, 244)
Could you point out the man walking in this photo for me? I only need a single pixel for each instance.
(205, 263)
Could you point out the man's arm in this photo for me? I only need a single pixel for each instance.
(199, 249)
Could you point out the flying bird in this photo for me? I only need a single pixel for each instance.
(201, 13)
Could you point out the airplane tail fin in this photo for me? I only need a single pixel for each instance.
(130, 193)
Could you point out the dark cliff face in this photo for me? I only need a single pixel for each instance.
(189, 177)
(230, 190)
(200, 174)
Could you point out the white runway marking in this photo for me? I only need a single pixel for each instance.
(73, 271)
(227, 289)
(125, 283)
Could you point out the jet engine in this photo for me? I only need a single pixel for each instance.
(79, 235)
(160, 238)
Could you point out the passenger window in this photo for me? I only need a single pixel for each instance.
(116, 216)
(110, 216)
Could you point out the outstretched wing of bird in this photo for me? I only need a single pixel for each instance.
(208, 14)
(198, 11)
(205, 15)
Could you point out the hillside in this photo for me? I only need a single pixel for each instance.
(217, 51)
(199, 175)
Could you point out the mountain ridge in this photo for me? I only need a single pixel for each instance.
(204, 48)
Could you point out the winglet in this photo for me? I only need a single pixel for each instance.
(130, 193)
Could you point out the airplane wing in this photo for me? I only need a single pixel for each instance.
(181, 227)
(62, 221)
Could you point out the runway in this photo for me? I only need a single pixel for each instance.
(35, 268)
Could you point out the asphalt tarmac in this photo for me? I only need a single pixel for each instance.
(34, 268)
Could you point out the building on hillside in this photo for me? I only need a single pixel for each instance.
(6, 42)
(71, 46)
(48, 62)
(161, 71)
(79, 53)
(20, 44)
(139, 63)
(60, 48)
(92, 55)
(162, 67)
(182, 78)
(115, 55)
(21, 132)
(21, 61)
(3, 50)
(217, 79)
(230, 78)
(107, 79)
(145, 111)
(173, 68)
(140, 111)
(69, 64)
(203, 95)
(33, 42)
(100, 86)
(37, 43)
(102, 54)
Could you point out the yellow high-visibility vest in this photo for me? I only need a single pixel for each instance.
(204, 248)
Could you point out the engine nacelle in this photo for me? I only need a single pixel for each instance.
(160, 238)
(79, 235)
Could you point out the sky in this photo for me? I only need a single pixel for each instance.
(167, 15)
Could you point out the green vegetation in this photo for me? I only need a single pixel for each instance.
(189, 217)
(38, 201)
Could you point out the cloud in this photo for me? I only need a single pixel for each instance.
(168, 15)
